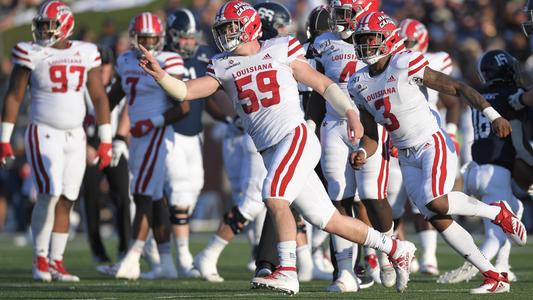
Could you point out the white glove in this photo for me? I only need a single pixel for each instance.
(120, 148)
(515, 100)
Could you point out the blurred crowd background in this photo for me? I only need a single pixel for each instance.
(463, 28)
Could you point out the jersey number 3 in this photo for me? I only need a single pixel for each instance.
(385, 103)
(58, 74)
(266, 82)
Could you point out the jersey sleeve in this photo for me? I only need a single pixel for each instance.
(21, 55)
(211, 69)
(95, 58)
(295, 49)
(173, 64)
(415, 68)
(446, 64)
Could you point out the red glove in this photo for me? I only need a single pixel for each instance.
(142, 128)
(104, 154)
(455, 142)
(5, 152)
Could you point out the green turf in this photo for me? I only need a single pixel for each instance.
(15, 282)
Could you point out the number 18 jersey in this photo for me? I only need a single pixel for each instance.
(263, 89)
(396, 99)
(57, 82)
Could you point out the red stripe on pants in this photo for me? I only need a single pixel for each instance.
(279, 170)
(435, 165)
(40, 161)
(145, 161)
(33, 164)
(443, 165)
(151, 168)
(288, 176)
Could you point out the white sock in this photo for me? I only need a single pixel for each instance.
(183, 254)
(42, 222)
(343, 252)
(379, 241)
(137, 246)
(287, 253)
(462, 205)
(304, 259)
(58, 243)
(502, 259)
(428, 245)
(462, 242)
(494, 239)
(215, 247)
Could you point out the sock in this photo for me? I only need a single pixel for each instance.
(343, 253)
(215, 247)
(463, 205)
(502, 259)
(150, 254)
(42, 222)
(494, 239)
(183, 254)
(462, 242)
(379, 241)
(319, 236)
(287, 253)
(137, 247)
(163, 248)
(58, 243)
(304, 260)
(428, 245)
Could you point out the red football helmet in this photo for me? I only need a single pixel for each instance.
(54, 22)
(147, 24)
(375, 36)
(415, 34)
(236, 22)
(344, 14)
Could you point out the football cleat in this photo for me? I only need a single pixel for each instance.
(401, 260)
(207, 268)
(510, 224)
(493, 283)
(41, 270)
(346, 282)
(283, 279)
(59, 273)
(372, 267)
(190, 273)
(464, 273)
(387, 275)
(128, 268)
(165, 270)
(415, 266)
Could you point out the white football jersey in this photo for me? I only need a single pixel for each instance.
(339, 61)
(57, 82)
(302, 87)
(396, 99)
(442, 62)
(263, 89)
(145, 97)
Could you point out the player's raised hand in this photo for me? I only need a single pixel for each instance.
(5, 152)
(501, 127)
(358, 159)
(150, 65)
(355, 128)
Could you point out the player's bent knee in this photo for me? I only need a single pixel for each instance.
(235, 220)
(179, 215)
(438, 205)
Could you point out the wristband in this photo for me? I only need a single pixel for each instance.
(364, 151)
(158, 121)
(105, 133)
(6, 132)
(176, 88)
(451, 128)
(491, 113)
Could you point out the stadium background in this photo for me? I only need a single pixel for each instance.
(463, 28)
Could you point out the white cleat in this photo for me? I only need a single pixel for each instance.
(109, 270)
(346, 282)
(387, 275)
(283, 279)
(372, 267)
(401, 261)
(190, 273)
(510, 224)
(321, 262)
(41, 270)
(251, 263)
(429, 269)
(207, 268)
(464, 273)
(494, 283)
(415, 266)
(59, 273)
(321, 275)
(165, 270)
(128, 268)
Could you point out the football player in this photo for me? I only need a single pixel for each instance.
(261, 79)
(390, 90)
(57, 70)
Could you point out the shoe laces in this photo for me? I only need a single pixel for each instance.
(400, 262)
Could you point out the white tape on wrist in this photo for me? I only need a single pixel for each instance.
(158, 121)
(6, 132)
(364, 151)
(105, 133)
(338, 99)
(311, 125)
(176, 88)
(491, 113)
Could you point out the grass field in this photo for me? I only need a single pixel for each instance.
(15, 282)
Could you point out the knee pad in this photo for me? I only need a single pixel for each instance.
(175, 220)
(235, 220)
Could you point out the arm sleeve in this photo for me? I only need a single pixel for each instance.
(173, 65)
(295, 49)
(211, 71)
(95, 59)
(416, 67)
(21, 55)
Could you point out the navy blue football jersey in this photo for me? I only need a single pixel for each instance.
(487, 147)
(195, 66)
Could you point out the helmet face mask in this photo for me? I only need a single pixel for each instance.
(369, 47)
(229, 34)
(53, 22)
(376, 36)
(236, 23)
(147, 30)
